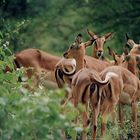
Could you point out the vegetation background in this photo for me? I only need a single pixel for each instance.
(51, 25)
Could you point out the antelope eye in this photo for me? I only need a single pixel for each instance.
(71, 47)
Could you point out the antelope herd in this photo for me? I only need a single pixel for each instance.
(93, 79)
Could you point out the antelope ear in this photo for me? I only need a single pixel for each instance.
(127, 37)
(108, 35)
(91, 34)
(88, 43)
(112, 53)
(78, 39)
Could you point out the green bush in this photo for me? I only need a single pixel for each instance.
(25, 115)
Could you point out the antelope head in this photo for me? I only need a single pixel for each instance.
(129, 61)
(118, 59)
(135, 48)
(77, 51)
(99, 43)
(77, 48)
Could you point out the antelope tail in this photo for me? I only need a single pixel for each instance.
(59, 78)
(109, 75)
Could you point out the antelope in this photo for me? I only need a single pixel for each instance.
(125, 89)
(87, 85)
(132, 63)
(77, 51)
(129, 61)
(36, 62)
(99, 43)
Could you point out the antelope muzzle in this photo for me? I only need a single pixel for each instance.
(99, 54)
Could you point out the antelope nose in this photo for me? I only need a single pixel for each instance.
(99, 53)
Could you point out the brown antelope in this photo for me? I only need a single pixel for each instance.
(125, 89)
(132, 63)
(87, 86)
(77, 51)
(37, 61)
(118, 59)
(129, 61)
(99, 43)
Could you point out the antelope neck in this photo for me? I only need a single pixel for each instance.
(80, 63)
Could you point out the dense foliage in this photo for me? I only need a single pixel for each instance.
(27, 115)
(52, 25)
